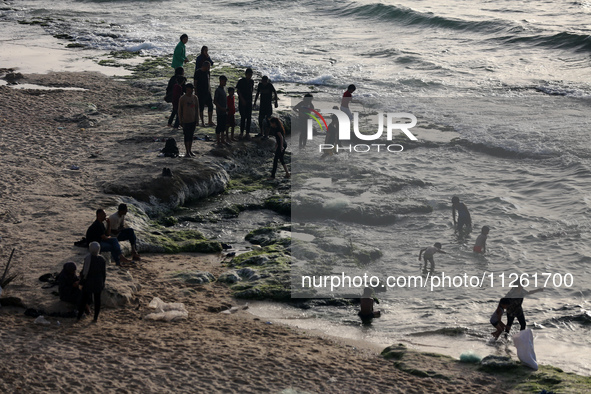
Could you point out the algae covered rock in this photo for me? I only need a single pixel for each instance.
(229, 277)
(265, 236)
(194, 277)
(394, 352)
(177, 241)
(264, 273)
(498, 363)
(279, 203)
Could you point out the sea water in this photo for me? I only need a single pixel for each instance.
(511, 80)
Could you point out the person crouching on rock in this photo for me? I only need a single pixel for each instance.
(92, 281)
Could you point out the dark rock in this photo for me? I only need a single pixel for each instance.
(498, 363)
(194, 277)
(13, 77)
(12, 301)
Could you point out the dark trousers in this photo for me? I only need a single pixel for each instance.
(174, 116)
(245, 118)
(520, 319)
(221, 126)
(127, 234)
(85, 300)
(112, 245)
(279, 153)
(264, 111)
(303, 135)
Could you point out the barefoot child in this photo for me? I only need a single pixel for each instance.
(480, 244)
(231, 121)
(278, 132)
(177, 92)
(429, 252)
(220, 101)
(495, 318)
(346, 100)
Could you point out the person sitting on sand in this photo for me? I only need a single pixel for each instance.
(92, 280)
(496, 317)
(464, 218)
(366, 303)
(429, 253)
(122, 232)
(98, 233)
(188, 117)
(68, 283)
(480, 244)
(179, 57)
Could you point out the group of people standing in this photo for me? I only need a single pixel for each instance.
(189, 101)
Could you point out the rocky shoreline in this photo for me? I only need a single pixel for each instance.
(68, 152)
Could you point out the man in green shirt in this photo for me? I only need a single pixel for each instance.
(179, 57)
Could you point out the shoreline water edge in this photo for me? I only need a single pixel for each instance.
(73, 141)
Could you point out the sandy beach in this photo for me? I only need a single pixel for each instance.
(47, 205)
(53, 179)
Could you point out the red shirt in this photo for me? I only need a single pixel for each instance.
(231, 106)
(347, 94)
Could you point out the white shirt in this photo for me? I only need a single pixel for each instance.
(116, 222)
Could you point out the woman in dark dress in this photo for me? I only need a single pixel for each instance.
(92, 279)
(278, 132)
(68, 283)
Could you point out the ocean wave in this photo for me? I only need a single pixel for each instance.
(509, 150)
(141, 47)
(558, 90)
(564, 40)
(583, 318)
(410, 17)
(447, 331)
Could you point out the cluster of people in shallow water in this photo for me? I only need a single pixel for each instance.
(511, 303)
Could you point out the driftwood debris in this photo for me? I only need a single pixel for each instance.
(6, 278)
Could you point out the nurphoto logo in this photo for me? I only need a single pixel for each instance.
(394, 122)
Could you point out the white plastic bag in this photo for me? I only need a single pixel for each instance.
(42, 320)
(167, 311)
(524, 342)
